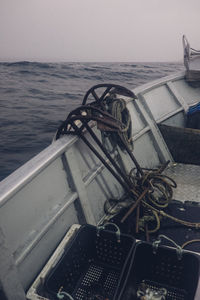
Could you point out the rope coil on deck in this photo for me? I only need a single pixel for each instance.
(119, 111)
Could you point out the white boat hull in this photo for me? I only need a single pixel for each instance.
(65, 184)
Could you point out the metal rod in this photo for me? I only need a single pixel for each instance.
(135, 204)
(108, 155)
(124, 184)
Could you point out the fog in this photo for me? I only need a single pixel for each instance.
(97, 30)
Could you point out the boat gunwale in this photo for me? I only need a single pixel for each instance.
(24, 174)
(142, 89)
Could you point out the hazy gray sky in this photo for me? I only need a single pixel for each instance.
(97, 30)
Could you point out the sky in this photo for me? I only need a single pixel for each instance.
(97, 30)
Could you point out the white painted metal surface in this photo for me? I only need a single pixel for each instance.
(191, 56)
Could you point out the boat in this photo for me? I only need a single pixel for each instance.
(124, 157)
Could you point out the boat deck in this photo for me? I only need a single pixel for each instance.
(187, 178)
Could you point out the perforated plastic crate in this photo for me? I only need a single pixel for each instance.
(163, 269)
(92, 266)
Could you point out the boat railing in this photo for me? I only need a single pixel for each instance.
(192, 63)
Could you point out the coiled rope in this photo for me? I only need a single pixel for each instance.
(120, 112)
(154, 192)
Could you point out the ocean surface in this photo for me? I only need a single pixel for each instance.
(36, 97)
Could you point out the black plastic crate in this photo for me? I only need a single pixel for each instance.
(164, 268)
(94, 266)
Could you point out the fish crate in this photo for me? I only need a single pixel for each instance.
(163, 273)
(94, 265)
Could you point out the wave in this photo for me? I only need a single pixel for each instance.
(28, 64)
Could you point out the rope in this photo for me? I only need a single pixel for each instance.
(164, 214)
(190, 242)
(135, 204)
(151, 187)
(119, 111)
(157, 223)
(155, 192)
(61, 294)
(156, 243)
